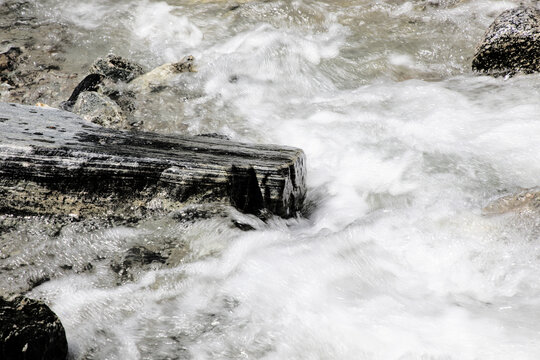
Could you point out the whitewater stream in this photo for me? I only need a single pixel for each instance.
(391, 257)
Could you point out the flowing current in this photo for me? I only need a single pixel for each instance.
(391, 258)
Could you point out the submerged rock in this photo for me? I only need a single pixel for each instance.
(117, 68)
(100, 110)
(511, 44)
(525, 200)
(30, 330)
(134, 260)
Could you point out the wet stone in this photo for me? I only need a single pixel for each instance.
(511, 43)
(30, 330)
(117, 68)
(89, 83)
(242, 226)
(100, 110)
(527, 200)
(135, 259)
(158, 78)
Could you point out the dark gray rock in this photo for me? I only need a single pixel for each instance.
(89, 83)
(511, 44)
(53, 162)
(30, 330)
(117, 68)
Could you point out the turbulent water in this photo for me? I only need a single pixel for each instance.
(391, 258)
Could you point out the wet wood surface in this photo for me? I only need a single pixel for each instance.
(53, 162)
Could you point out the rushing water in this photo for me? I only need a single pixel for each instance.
(392, 257)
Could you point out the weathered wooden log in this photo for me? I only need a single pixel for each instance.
(53, 162)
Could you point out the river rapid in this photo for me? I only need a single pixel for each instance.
(391, 257)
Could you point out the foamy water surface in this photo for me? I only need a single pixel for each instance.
(391, 257)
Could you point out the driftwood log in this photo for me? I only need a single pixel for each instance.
(53, 162)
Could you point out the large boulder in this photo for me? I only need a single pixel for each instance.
(511, 44)
(30, 330)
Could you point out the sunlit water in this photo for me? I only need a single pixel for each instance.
(391, 258)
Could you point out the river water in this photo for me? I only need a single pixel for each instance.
(391, 258)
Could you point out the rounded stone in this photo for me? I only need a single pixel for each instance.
(511, 43)
(30, 330)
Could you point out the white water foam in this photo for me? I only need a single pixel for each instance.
(161, 31)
